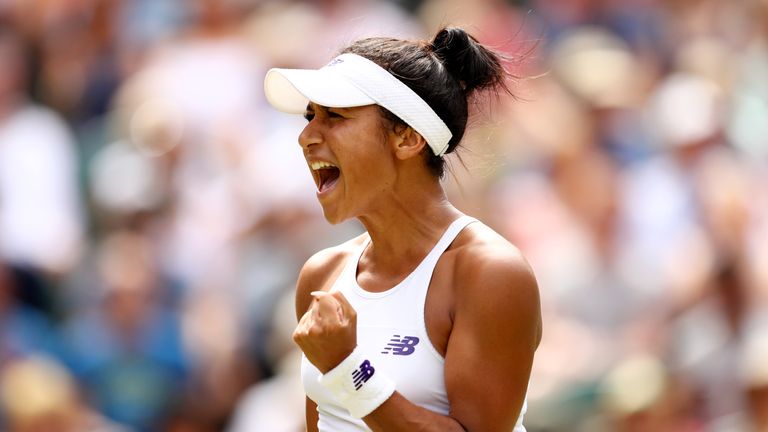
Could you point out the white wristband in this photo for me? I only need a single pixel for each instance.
(358, 386)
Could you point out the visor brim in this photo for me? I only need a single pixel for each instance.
(290, 90)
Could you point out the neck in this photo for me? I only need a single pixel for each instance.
(405, 226)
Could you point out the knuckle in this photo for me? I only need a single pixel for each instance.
(315, 331)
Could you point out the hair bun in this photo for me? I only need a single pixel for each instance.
(473, 65)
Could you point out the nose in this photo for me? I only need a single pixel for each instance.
(310, 135)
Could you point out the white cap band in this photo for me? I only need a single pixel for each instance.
(350, 80)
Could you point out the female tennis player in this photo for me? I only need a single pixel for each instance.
(428, 321)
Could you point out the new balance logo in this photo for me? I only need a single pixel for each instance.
(401, 346)
(334, 62)
(362, 374)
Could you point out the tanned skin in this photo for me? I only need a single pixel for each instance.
(482, 310)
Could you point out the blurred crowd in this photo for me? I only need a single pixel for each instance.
(155, 211)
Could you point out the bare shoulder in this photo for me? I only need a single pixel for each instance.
(321, 270)
(479, 235)
(481, 252)
(492, 279)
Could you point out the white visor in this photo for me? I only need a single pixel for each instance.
(350, 80)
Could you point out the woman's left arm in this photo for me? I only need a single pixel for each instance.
(496, 329)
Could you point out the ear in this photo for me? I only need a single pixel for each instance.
(406, 142)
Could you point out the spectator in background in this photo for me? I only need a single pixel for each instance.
(275, 404)
(39, 395)
(127, 350)
(191, 114)
(41, 225)
(24, 331)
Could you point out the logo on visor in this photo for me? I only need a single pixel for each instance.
(334, 62)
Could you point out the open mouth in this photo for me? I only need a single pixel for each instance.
(326, 175)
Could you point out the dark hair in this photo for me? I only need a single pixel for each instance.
(445, 72)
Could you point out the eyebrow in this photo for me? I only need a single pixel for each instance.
(311, 106)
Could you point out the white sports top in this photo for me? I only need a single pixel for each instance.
(392, 333)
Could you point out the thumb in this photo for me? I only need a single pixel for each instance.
(346, 308)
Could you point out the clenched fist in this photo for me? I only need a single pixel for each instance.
(327, 333)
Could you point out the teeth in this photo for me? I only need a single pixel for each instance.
(320, 165)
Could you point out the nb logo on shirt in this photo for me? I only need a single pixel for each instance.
(362, 374)
(401, 346)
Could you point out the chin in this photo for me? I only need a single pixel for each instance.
(333, 217)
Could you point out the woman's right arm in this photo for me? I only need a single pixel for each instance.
(304, 286)
(315, 276)
(311, 416)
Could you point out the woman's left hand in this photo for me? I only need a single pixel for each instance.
(327, 333)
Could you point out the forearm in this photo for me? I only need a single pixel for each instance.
(399, 414)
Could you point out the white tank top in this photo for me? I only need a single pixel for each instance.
(392, 333)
